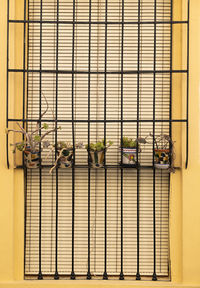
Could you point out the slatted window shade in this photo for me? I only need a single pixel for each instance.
(143, 96)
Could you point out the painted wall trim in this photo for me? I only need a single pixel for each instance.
(92, 283)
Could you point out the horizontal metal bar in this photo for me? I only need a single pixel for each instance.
(111, 277)
(104, 167)
(99, 121)
(98, 22)
(97, 72)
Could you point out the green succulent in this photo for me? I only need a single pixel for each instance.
(46, 126)
(61, 144)
(20, 146)
(128, 143)
(99, 146)
(37, 138)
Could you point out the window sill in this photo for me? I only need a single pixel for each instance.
(91, 283)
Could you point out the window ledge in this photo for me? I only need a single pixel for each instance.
(91, 283)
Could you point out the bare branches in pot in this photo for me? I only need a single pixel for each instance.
(32, 142)
(30, 145)
(163, 151)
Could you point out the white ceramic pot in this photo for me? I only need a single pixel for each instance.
(129, 156)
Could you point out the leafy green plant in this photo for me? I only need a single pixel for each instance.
(99, 146)
(128, 143)
(63, 145)
(67, 145)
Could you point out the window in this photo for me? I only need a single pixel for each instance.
(105, 68)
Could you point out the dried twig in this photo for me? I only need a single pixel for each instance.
(32, 139)
(58, 158)
(47, 106)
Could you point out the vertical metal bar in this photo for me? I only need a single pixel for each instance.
(73, 276)
(40, 277)
(105, 275)
(138, 170)
(24, 62)
(188, 67)
(121, 277)
(89, 56)
(170, 100)
(56, 275)
(154, 277)
(25, 216)
(25, 170)
(24, 74)
(170, 104)
(27, 88)
(27, 56)
(7, 84)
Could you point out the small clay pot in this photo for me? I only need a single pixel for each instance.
(161, 158)
(66, 159)
(96, 158)
(129, 156)
(32, 158)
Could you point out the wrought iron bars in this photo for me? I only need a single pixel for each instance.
(123, 72)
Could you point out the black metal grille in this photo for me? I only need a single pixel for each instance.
(106, 70)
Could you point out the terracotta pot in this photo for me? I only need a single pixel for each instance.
(32, 158)
(129, 156)
(66, 160)
(96, 159)
(161, 158)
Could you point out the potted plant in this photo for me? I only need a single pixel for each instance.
(97, 152)
(163, 151)
(129, 151)
(32, 141)
(64, 154)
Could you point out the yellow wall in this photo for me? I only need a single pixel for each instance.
(191, 180)
(185, 194)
